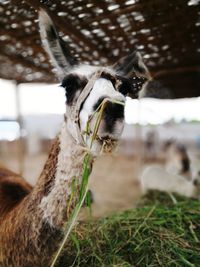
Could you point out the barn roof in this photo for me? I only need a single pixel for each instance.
(167, 33)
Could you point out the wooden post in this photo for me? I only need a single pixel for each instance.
(20, 139)
(139, 142)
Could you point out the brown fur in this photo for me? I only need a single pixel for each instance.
(25, 239)
(13, 189)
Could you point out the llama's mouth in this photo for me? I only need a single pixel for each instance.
(107, 143)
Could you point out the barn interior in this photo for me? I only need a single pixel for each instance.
(162, 127)
(166, 33)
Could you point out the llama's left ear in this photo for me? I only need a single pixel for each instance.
(55, 47)
(131, 64)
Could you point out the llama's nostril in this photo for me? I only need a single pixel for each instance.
(114, 110)
(98, 103)
(118, 101)
(113, 113)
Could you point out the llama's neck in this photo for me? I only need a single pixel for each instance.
(60, 179)
(37, 222)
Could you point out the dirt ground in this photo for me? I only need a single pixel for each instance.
(114, 183)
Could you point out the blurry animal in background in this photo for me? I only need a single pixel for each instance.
(181, 173)
(181, 160)
(31, 226)
(157, 178)
(195, 166)
(176, 158)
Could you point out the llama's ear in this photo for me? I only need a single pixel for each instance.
(55, 47)
(130, 64)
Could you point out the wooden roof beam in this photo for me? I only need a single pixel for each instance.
(19, 79)
(137, 7)
(17, 59)
(103, 6)
(65, 26)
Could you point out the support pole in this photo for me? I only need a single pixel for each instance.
(139, 142)
(20, 144)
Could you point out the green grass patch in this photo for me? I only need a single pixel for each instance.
(163, 231)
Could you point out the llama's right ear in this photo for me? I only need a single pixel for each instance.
(55, 47)
(130, 64)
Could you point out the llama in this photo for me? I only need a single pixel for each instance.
(32, 220)
(181, 173)
(156, 178)
(177, 159)
(182, 161)
(195, 167)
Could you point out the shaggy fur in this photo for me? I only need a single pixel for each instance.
(31, 232)
(23, 232)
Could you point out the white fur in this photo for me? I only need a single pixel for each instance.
(156, 178)
(68, 167)
(169, 179)
(195, 165)
(102, 87)
(71, 153)
(88, 70)
(173, 167)
(174, 164)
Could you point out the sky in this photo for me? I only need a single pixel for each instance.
(50, 99)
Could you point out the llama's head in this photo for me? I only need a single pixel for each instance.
(88, 86)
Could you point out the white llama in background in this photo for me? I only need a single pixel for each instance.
(177, 160)
(181, 173)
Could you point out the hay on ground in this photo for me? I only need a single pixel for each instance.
(163, 231)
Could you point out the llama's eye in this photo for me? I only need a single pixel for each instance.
(73, 83)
